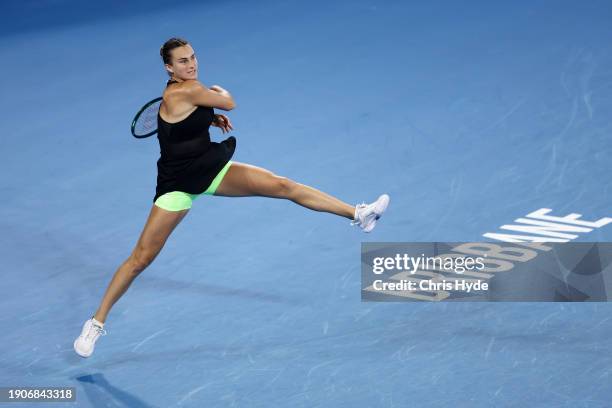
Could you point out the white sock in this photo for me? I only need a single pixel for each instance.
(97, 323)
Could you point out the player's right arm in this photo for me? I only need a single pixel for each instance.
(215, 97)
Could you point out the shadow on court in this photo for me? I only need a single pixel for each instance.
(102, 394)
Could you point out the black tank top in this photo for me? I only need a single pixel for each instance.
(188, 160)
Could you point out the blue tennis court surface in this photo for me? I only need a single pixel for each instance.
(468, 115)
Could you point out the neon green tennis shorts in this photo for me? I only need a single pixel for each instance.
(178, 200)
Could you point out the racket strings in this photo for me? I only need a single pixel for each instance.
(147, 121)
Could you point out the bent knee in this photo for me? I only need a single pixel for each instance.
(141, 258)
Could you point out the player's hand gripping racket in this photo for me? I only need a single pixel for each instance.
(145, 121)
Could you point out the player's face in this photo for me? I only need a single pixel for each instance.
(184, 63)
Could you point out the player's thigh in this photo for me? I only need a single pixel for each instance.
(243, 180)
(157, 229)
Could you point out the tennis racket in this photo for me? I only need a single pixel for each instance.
(145, 121)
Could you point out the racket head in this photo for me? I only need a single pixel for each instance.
(145, 121)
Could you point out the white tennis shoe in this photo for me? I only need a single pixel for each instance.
(366, 215)
(85, 343)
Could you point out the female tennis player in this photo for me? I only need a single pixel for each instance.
(191, 165)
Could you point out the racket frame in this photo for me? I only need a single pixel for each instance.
(133, 127)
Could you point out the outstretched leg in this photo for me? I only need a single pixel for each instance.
(243, 180)
(154, 235)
